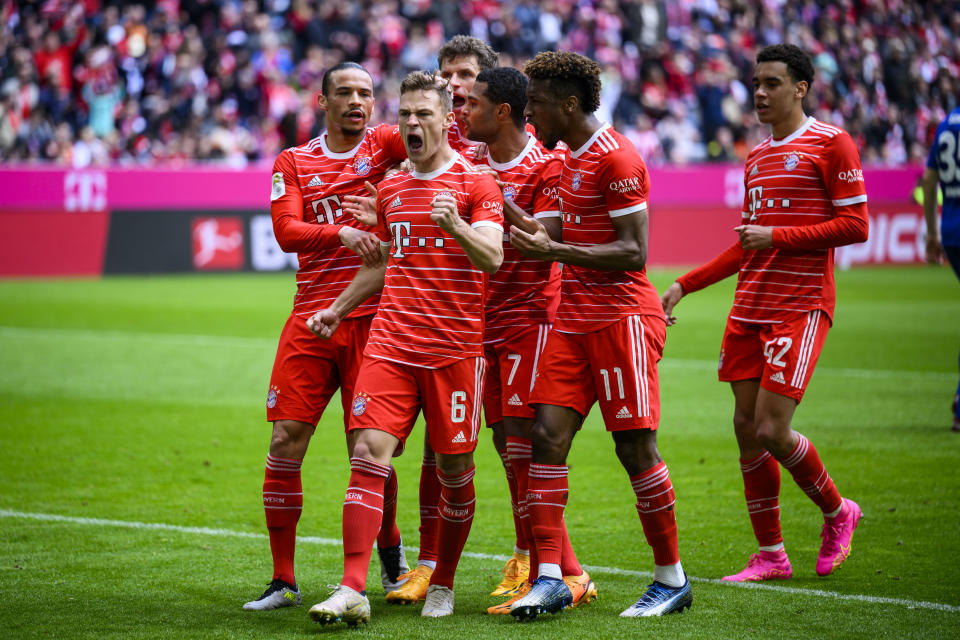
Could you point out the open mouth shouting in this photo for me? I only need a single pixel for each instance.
(414, 142)
(458, 102)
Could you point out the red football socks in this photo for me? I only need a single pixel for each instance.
(518, 452)
(761, 486)
(389, 535)
(811, 476)
(655, 500)
(514, 500)
(282, 505)
(546, 499)
(362, 515)
(429, 498)
(456, 507)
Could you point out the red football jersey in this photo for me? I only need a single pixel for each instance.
(524, 290)
(460, 143)
(309, 183)
(603, 179)
(811, 176)
(431, 308)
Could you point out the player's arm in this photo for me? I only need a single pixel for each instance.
(483, 244)
(546, 206)
(627, 253)
(296, 236)
(849, 223)
(367, 281)
(934, 251)
(517, 218)
(723, 266)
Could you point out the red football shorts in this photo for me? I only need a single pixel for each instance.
(511, 368)
(615, 366)
(308, 370)
(782, 355)
(389, 396)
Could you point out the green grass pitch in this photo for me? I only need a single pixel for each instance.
(127, 403)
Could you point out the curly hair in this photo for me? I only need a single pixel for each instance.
(460, 46)
(799, 65)
(568, 74)
(424, 81)
(506, 85)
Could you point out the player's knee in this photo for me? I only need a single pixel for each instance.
(547, 448)
(454, 464)
(290, 438)
(773, 437)
(362, 449)
(743, 422)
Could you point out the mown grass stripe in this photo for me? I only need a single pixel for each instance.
(238, 342)
(158, 526)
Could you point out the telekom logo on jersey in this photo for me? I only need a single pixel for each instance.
(401, 237)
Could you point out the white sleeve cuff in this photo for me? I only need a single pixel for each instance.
(616, 213)
(487, 223)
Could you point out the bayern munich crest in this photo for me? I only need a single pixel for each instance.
(360, 404)
(509, 192)
(272, 397)
(791, 161)
(362, 165)
(577, 179)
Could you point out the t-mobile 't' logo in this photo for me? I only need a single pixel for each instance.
(401, 237)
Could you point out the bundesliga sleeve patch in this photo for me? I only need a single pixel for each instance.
(277, 189)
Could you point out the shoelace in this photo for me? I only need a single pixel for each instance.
(655, 593)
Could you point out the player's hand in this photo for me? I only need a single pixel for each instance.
(480, 151)
(490, 171)
(669, 300)
(404, 167)
(363, 208)
(533, 245)
(363, 243)
(935, 254)
(755, 236)
(323, 323)
(444, 213)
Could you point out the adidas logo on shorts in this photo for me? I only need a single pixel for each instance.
(514, 401)
(459, 438)
(624, 412)
(315, 182)
(778, 377)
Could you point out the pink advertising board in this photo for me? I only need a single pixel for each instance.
(25, 188)
(79, 216)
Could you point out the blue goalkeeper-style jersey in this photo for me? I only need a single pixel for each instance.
(945, 160)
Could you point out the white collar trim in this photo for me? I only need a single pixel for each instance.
(436, 172)
(589, 143)
(796, 134)
(340, 156)
(510, 164)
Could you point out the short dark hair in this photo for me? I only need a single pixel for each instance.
(328, 75)
(799, 64)
(568, 74)
(460, 46)
(506, 85)
(423, 81)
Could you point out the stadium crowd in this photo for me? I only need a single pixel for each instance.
(95, 82)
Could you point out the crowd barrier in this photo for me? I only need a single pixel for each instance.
(57, 222)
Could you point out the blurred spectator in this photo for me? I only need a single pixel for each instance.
(233, 81)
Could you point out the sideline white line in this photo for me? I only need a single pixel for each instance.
(49, 517)
(238, 342)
